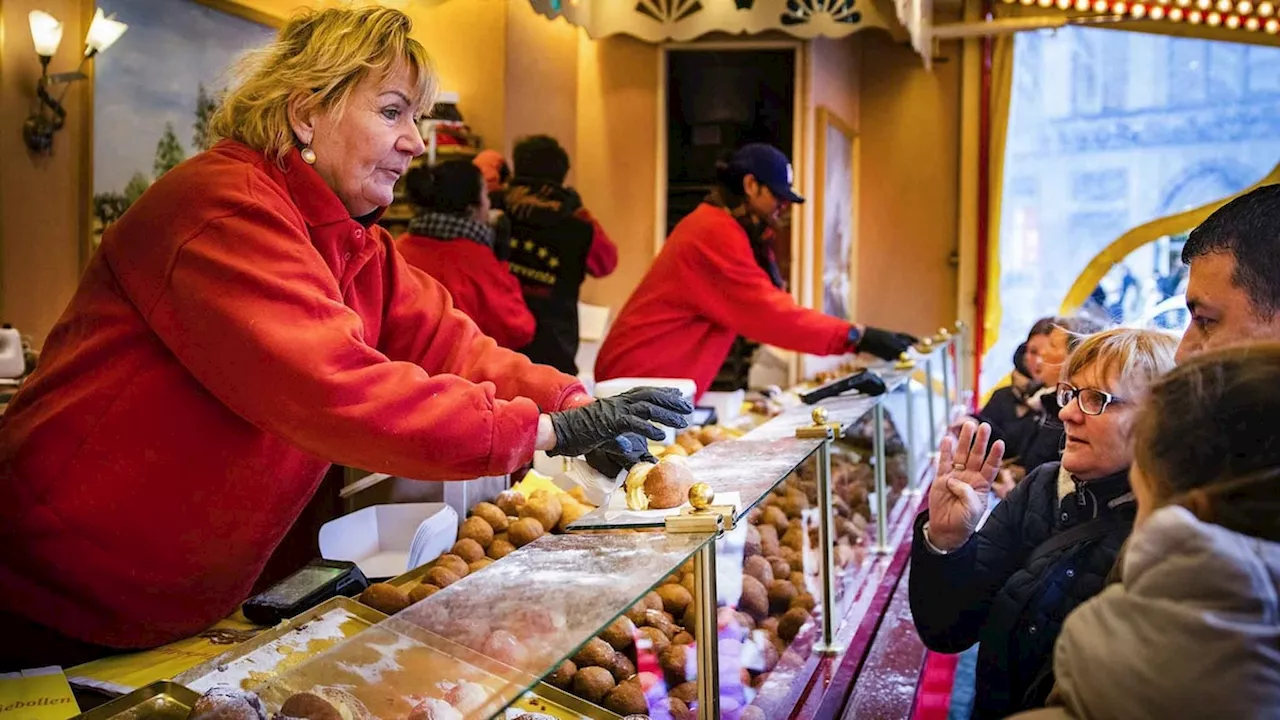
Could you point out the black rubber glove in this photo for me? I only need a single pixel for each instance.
(885, 344)
(590, 426)
(620, 454)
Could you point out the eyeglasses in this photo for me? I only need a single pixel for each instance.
(1092, 401)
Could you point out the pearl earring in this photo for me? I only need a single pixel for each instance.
(308, 155)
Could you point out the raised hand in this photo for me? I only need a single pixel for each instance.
(959, 494)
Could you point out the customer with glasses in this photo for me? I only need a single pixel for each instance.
(1047, 547)
(1193, 628)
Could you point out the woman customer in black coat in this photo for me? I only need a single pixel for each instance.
(1049, 545)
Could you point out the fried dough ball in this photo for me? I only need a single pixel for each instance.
(441, 577)
(791, 623)
(626, 699)
(543, 507)
(662, 621)
(422, 591)
(620, 633)
(453, 564)
(510, 502)
(672, 708)
(467, 549)
(596, 653)
(774, 516)
(769, 544)
(592, 684)
(653, 637)
(224, 702)
(781, 593)
(563, 675)
(620, 667)
(686, 692)
(759, 568)
(504, 647)
(524, 531)
(478, 529)
(491, 514)
(385, 598)
(676, 661)
(675, 599)
(501, 548)
(755, 599)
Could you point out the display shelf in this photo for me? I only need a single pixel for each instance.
(762, 617)
(487, 639)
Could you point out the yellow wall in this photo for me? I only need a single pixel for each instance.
(541, 80)
(40, 197)
(616, 161)
(518, 73)
(909, 122)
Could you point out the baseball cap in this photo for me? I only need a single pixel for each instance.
(770, 167)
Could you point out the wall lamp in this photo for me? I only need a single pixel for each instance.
(46, 35)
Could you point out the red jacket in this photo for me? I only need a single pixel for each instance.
(481, 285)
(703, 290)
(236, 333)
(602, 258)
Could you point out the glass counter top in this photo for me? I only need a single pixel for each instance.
(484, 641)
(750, 468)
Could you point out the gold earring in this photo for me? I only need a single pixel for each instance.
(308, 155)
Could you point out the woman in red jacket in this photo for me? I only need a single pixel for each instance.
(244, 325)
(451, 240)
(716, 278)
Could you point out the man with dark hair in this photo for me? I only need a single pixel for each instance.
(1233, 292)
(555, 244)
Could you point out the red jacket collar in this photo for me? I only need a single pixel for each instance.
(313, 197)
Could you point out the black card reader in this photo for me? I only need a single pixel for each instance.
(303, 590)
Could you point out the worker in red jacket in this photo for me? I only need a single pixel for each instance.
(451, 240)
(244, 325)
(716, 278)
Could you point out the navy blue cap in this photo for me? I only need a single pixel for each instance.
(770, 167)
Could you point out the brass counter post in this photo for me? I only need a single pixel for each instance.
(882, 495)
(945, 344)
(828, 431)
(706, 633)
(912, 441)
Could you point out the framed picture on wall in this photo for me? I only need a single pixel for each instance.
(154, 93)
(835, 246)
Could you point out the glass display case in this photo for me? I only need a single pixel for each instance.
(738, 604)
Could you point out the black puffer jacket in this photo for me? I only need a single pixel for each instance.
(1043, 440)
(985, 592)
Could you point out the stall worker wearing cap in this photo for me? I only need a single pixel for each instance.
(716, 278)
(244, 325)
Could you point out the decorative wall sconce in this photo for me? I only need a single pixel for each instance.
(46, 35)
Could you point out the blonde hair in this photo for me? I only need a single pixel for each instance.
(1137, 357)
(321, 55)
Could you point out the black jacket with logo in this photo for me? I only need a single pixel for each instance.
(549, 245)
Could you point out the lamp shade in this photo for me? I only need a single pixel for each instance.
(103, 33)
(46, 32)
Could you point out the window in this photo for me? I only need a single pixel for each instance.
(1090, 155)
